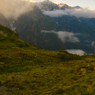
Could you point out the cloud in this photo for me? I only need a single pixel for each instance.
(86, 13)
(87, 7)
(55, 13)
(32, 1)
(56, 2)
(93, 44)
(14, 8)
(64, 36)
(76, 51)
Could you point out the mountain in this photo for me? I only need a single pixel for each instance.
(4, 21)
(54, 33)
(65, 6)
(49, 6)
(32, 25)
(73, 24)
(35, 22)
(89, 21)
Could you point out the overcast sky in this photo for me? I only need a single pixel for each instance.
(82, 3)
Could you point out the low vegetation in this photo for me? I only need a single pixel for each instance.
(29, 70)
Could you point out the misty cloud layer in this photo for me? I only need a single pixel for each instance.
(64, 36)
(76, 51)
(14, 8)
(86, 13)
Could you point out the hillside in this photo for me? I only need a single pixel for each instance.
(29, 70)
(89, 21)
(30, 28)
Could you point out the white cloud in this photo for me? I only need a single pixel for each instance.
(55, 13)
(64, 36)
(76, 51)
(14, 8)
(86, 13)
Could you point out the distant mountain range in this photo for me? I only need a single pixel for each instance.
(49, 6)
(54, 33)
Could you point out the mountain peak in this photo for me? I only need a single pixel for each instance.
(61, 5)
(78, 7)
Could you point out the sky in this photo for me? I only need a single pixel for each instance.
(82, 3)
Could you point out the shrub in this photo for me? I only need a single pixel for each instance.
(67, 56)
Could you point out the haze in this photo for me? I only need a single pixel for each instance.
(13, 8)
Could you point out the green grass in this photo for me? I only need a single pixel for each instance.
(29, 70)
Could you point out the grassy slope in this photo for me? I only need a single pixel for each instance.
(29, 70)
